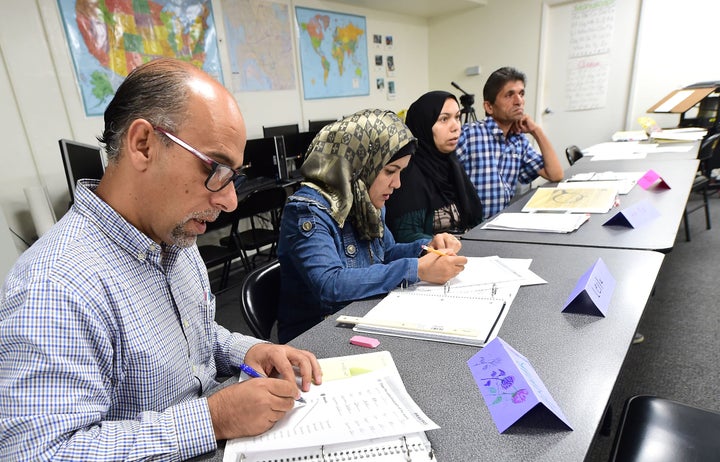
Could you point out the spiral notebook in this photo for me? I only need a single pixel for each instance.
(469, 309)
(360, 412)
(415, 447)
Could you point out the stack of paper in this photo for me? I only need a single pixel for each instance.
(538, 222)
(680, 134)
(622, 181)
(631, 135)
(362, 411)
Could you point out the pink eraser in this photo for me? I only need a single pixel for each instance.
(366, 342)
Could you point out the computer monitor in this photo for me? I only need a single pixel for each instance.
(80, 161)
(296, 146)
(280, 130)
(317, 125)
(261, 158)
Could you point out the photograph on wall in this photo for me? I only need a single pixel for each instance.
(380, 84)
(390, 66)
(389, 42)
(260, 45)
(107, 42)
(333, 53)
(377, 40)
(379, 62)
(391, 93)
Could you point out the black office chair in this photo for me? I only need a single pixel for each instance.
(573, 154)
(263, 208)
(661, 430)
(259, 299)
(280, 130)
(226, 251)
(709, 149)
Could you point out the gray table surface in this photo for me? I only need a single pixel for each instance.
(578, 357)
(658, 234)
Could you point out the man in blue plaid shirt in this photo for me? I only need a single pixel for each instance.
(495, 152)
(108, 343)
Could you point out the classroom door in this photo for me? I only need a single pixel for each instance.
(583, 97)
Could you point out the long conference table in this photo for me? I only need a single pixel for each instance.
(578, 357)
(658, 234)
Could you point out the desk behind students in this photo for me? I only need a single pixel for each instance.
(658, 234)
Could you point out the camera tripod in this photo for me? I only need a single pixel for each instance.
(467, 113)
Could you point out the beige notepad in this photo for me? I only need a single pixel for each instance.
(574, 200)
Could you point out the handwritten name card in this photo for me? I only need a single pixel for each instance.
(634, 216)
(593, 291)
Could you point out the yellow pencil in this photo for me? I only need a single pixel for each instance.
(435, 251)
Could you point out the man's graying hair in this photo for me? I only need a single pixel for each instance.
(156, 91)
(497, 81)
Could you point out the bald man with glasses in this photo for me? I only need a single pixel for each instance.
(108, 344)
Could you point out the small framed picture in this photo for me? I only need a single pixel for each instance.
(390, 61)
(377, 40)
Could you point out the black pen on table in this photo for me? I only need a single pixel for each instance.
(255, 374)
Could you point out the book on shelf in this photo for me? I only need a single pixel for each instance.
(361, 411)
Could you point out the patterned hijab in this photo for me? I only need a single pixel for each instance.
(345, 158)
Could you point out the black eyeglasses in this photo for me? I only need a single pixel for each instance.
(220, 175)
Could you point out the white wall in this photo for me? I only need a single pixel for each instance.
(677, 46)
(503, 33)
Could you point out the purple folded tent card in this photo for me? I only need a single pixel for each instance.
(593, 291)
(634, 216)
(650, 178)
(509, 384)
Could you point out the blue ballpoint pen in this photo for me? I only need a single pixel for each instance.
(255, 374)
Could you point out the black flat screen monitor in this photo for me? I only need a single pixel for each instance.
(260, 157)
(80, 161)
(296, 146)
(280, 130)
(317, 125)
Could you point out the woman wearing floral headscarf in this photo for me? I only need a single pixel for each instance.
(334, 246)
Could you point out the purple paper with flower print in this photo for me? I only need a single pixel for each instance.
(509, 384)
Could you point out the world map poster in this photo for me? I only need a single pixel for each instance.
(110, 38)
(333, 54)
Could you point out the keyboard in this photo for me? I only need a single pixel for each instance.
(251, 184)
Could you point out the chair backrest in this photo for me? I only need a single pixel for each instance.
(573, 154)
(682, 432)
(267, 199)
(709, 153)
(259, 299)
(279, 130)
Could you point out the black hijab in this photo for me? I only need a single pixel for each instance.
(433, 179)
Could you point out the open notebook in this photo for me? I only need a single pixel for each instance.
(360, 412)
(469, 309)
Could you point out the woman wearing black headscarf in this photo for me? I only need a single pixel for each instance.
(436, 195)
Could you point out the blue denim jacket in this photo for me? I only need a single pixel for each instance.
(325, 267)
